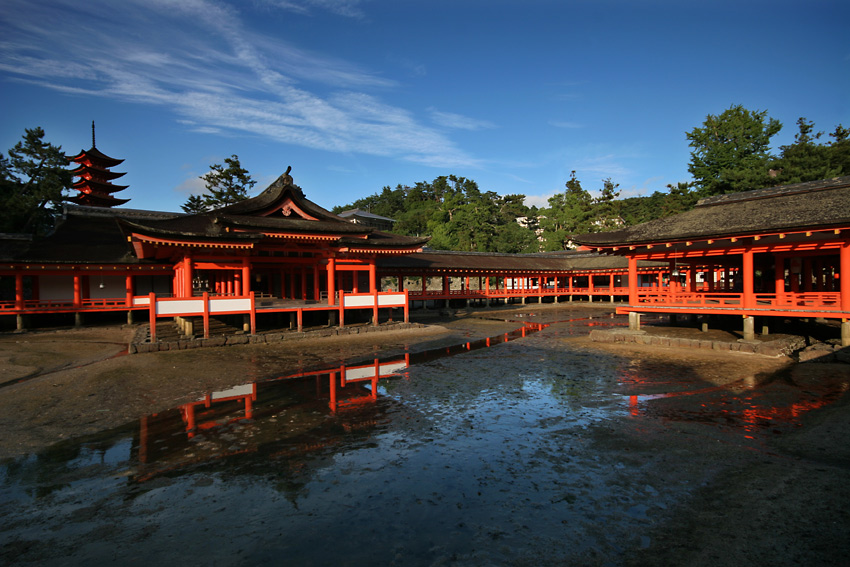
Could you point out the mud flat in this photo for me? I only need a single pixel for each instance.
(546, 450)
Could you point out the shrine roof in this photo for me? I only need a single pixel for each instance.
(82, 239)
(281, 208)
(812, 205)
(442, 260)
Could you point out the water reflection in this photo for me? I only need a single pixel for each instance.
(293, 413)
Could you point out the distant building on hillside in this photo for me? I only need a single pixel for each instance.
(366, 218)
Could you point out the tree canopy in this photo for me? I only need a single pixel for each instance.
(808, 160)
(223, 185)
(33, 181)
(731, 151)
(455, 213)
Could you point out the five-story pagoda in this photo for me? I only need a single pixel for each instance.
(95, 179)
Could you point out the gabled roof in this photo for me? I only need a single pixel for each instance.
(813, 205)
(281, 209)
(358, 213)
(497, 263)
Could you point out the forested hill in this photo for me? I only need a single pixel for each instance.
(730, 153)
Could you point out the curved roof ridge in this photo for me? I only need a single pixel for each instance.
(819, 185)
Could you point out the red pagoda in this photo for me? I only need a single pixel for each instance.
(95, 179)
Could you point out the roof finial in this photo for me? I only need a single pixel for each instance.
(92, 133)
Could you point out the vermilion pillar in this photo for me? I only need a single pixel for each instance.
(633, 281)
(373, 277)
(187, 276)
(331, 281)
(19, 290)
(246, 277)
(749, 298)
(78, 290)
(779, 279)
(844, 275)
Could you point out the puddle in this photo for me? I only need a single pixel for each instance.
(509, 449)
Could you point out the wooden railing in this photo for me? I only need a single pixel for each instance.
(817, 301)
(495, 293)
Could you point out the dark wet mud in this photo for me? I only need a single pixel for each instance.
(524, 448)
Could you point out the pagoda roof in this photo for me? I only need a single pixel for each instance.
(97, 186)
(816, 204)
(97, 200)
(95, 156)
(98, 172)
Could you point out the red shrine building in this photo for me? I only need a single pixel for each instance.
(781, 252)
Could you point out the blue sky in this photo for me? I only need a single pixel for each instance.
(356, 95)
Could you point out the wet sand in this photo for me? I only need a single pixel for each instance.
(771, 495)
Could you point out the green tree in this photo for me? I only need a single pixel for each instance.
(606, 210)
(224, 186)
(808, 160)
(731, 151)
(568, 214)
(33, 181)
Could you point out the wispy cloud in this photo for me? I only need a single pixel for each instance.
(349, 8)
(568, 125)
(200, 60)
(459, 121)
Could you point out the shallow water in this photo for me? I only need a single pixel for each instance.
(520, 452)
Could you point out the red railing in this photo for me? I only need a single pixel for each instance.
(817, 301)
(496, 293)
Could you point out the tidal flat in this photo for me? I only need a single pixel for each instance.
(498, 438)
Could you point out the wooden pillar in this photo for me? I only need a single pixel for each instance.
(316, 290)
(246, 277)
(807, 275)
(19, 291)
(187, 276)
(749, 296)
(128, 290)
(373, 276)
(78, 290)
(779, 279)
(633, 281)
(303, 284)
(331, 281)
(844, 275)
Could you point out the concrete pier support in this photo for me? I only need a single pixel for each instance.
(78, 319)
(19, 320)
(749, 328)
(129, 316)
(845, 333)
(634, 321)
(246, 323)
(292, 320)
